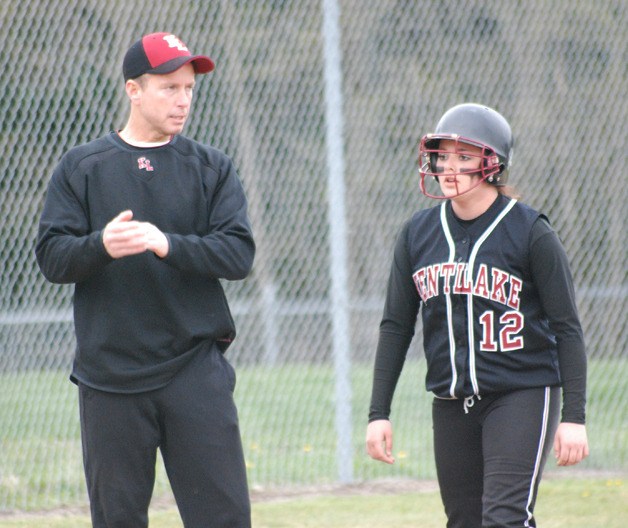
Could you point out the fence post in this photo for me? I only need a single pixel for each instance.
(337, 237)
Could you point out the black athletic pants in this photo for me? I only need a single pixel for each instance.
(193, 421)
(490, 453)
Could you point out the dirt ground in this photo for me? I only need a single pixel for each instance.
(267, 494)
(371, 487)
(278, 494)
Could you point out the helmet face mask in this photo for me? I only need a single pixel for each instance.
(487, 165)
(468, 125)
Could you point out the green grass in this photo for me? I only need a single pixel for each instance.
(573, 503)
(287, 421)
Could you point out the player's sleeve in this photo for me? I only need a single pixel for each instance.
(228, 249)
(395, 332)
(67, 251)
(553, 280)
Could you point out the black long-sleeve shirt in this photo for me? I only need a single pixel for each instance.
(140, 318)
(551, 278)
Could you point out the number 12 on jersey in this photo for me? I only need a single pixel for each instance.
(509, 338)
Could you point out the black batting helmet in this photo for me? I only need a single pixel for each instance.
(476, 125)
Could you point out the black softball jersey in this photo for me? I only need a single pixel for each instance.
(498, 308)
(132, 334)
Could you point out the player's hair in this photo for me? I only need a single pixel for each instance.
(509, 191)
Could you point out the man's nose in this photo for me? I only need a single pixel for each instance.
(183, 98)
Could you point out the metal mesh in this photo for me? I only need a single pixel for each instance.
(556, 69)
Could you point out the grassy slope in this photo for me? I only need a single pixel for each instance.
(287, 418)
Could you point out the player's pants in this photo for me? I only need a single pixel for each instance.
(489, 460)
(193, 421)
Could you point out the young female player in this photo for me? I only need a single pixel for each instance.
(501, 333)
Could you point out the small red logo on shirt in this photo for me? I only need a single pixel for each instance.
(144, 163)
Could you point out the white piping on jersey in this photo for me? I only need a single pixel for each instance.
(539, 453)
(470, 314)
(450, 326)
(470, 317)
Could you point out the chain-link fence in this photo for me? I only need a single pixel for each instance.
(321, 105)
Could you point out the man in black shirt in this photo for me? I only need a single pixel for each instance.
(145, 222)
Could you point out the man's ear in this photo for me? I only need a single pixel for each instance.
(133, 89)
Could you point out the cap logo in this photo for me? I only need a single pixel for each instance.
(174, 42)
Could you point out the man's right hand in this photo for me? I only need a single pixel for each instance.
(124, 236)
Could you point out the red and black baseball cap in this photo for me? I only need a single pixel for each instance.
(161, 53)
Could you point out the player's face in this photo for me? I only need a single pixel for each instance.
(163, 103)
(457, 166)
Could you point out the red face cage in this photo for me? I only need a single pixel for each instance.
(489, 166)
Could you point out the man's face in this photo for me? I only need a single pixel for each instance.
(162, 103)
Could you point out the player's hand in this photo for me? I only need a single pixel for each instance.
(124, 236)
(570, 444)
(379, 441)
